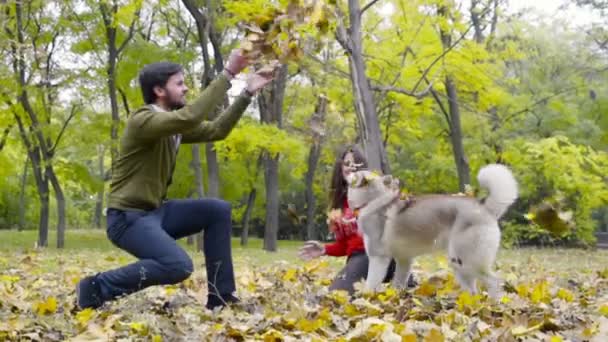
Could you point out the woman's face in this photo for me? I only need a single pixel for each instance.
(348, 164)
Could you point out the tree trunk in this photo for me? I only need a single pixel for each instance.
(365, 107)
(22, 194)
(213, 171)
(60, 199)
(271, 112)
(313, 159)
(271, 180)
(200, 192)
(247, 217)
(99, 203)
(108, 12)
(462, 164)
(43, 225)
(111, 71)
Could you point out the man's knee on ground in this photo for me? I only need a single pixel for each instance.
(179, 270)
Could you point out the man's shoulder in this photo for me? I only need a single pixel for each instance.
(143, 109)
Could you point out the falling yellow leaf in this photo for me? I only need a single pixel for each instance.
(157, 338)
(49, 306)
(556, 339)
(83, 317)
(604, 310)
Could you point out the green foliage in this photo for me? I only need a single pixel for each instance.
(555, 168)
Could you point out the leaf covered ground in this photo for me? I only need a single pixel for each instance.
(551, 295)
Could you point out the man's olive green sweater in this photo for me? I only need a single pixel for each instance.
(143, 170)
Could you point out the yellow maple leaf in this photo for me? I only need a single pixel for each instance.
(389, 294)
(565, 295)
(169, 290)
(604, 310)
(522, 290)
(351, 310)
(9, 279)
(340, 297)
(139, 328)
(157, 338)
(409, 338)
(49, 306)
(308, 326)
(556, 339)
(83, 317)
(540, 293)
(272, 335)
(426, 289)
(434, 336)
(290, 274)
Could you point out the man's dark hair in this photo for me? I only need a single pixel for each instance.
(156, 74)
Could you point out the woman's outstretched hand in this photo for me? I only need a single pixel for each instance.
(311, 250)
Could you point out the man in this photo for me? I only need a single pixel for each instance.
(139, 218)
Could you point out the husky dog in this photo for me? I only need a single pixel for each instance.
(465, 227)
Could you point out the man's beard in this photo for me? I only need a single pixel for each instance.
(176, 105)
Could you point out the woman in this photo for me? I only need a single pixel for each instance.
(349, 241)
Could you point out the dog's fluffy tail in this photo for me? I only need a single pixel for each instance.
(502, 188)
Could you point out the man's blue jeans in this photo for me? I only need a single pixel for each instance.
(150, 236)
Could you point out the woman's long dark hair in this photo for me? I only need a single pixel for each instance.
(337, 192)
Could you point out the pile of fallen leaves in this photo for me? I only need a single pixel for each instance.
(284, 301)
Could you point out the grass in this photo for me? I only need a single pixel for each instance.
(94, 242)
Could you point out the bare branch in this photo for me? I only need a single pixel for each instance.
(403, 91)
(438, 58)
(7, 130)
(542, 100)
(130, 34)
(341, 34)
(366, 7)
(125, 102)
(65, 125)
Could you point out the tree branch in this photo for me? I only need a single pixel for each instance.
(125, 103)
(403, 91)
(510, 116)
(130, 34)
(65, 125)
(366, 7)
(7, 130)
(445, 52)
(341, 34)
